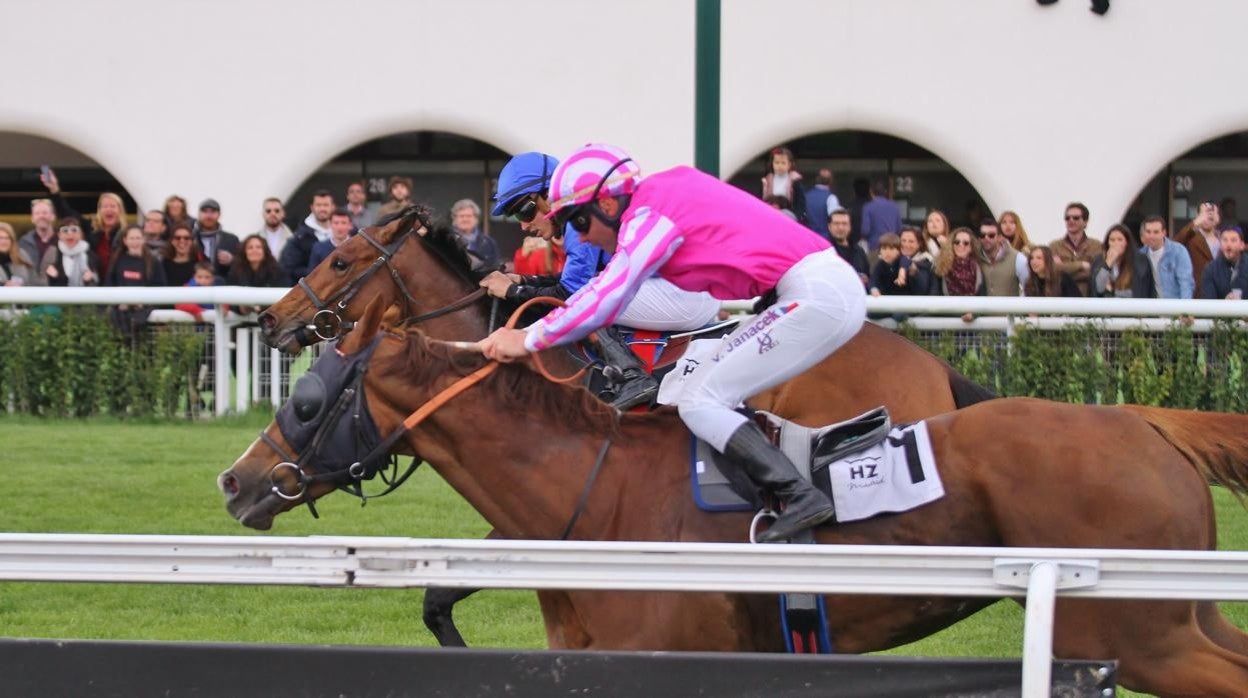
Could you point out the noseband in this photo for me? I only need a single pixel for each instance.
(328, 323)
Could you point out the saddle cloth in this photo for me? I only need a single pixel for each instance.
(866, 465)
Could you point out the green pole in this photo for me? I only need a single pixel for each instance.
(706, 88)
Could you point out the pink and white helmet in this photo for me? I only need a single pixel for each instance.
(593, 171)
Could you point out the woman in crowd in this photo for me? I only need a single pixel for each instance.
(921, 261)
(1013, 230)
(176, 213)
(15, 268)
(1046, 279)
(1121, 271)
(133, 265)
(539, 257)
(256, 267)
(71, 262)
(935, 232)
(958, 266)
(180, 264)
(103, 232)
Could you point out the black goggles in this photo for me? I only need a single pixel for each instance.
(524, 211)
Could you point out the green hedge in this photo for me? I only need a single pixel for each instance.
(72, 363)
(1092, 365)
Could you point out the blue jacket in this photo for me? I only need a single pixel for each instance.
(1174, 273)
(1217, 281)
(584, 260)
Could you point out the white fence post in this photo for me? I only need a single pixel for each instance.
(1038, 630)
(275, 378)
(221, 361)
(242, 370)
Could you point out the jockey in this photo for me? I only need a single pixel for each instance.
(704, 235)
(658, 304)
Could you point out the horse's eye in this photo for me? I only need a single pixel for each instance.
(339, 264)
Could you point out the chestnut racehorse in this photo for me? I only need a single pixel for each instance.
(424, 272)
(1120, 478)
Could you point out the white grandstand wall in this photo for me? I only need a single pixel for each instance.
(1035, 106)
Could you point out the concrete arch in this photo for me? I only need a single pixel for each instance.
(69, 135)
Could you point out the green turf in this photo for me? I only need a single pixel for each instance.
(105, 476)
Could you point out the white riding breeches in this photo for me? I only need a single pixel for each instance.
(662, 307)
(820, 307)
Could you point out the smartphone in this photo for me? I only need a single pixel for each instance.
(45, 173)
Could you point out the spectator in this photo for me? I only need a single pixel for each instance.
(1046, 277)
(133, 265)
(156, 233)
(539, 257)
(315, 228)
(1228, 209)
(1122, 271)
(783, 181)
(998, 261)
(1169, 261)
(1076, 251)
(936, 232)
(781, 204)
(879, 215)
(37, 242)
(957, 267)
(889, 275)
(922, 276)
(176, 212)
(218, 246)
(1012, 228)
(400, 189)
(362, 216)
(104, 233)
(274, 232)
(183, 256)
(340, 229)
(862, 194)
(72, 262)
(1200, 238)
(821, 202)
(16, 267)
(839, 226)
(203, 276)
(1227, 276)
(465, 215)
(256, 267)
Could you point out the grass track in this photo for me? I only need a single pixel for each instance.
(104, 476)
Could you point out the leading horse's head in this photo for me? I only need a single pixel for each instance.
(368, 265)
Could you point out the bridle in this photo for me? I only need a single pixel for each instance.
(327, 322)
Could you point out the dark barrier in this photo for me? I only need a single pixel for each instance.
(94, 669)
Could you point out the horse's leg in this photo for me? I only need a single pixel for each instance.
(1217, 628)
(439, 614)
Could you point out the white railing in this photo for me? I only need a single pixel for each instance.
(1038, 574)
(926, 313)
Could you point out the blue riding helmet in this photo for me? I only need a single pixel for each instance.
(526, 173)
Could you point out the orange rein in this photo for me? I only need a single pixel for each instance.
(478, 375)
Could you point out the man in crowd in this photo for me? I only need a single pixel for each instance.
(879, 215)
(37, 242)
(275, 232)
(1000, 260)
(1200, 237)
(357, 205)
(1172, 267)
(400, 189)
(839, 227)
(821, 202)
(1075, 252)
(156, 232)
(1227, 275)
(340, 228)
(465, 215)
(218, 246)
(315, 228)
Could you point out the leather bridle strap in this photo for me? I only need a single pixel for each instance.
(589, 485)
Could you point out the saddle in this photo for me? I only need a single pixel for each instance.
(660, 350)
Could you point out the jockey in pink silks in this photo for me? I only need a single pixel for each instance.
(701, 234)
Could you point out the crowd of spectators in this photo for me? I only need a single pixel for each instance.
(996, 257)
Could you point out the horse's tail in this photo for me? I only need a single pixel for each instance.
(1215, 443)
(965, 391)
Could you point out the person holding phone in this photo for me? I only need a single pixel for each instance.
(1201, 239)
(1227, 275)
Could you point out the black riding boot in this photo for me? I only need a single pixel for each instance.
(801, 505)
(632, 385)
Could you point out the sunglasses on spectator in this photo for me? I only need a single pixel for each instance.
(272, 210)
(962, 243)
(524, 211)
(183, 238)
(1074, 218)
(988, 236)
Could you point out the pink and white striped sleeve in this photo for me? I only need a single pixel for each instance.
(646, 242)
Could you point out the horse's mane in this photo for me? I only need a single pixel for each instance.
(513, 387)
(443, 240)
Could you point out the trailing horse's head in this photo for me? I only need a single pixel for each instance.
(324, 302)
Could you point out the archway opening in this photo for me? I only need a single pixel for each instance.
(916, 179)
(82, 179)
(443, 167)
(1214, 171)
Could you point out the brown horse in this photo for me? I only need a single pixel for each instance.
(1121, 479)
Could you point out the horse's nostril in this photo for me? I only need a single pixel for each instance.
(229, 484)
(267, 321)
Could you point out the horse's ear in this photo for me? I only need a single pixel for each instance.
(365, 328)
